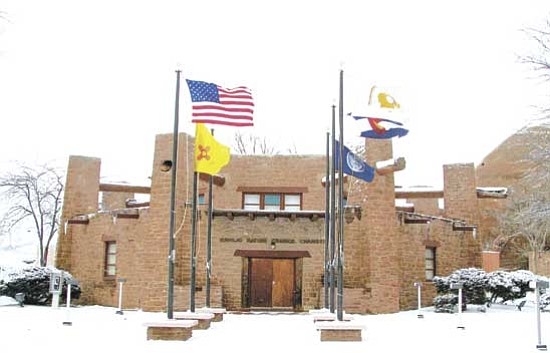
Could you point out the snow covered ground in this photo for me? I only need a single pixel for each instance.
(98, 329)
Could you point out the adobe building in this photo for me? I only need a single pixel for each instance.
(268, 233)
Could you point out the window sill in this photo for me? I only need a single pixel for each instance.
(109, 279)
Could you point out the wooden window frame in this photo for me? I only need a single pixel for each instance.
(281, 198)
(433, 250)
(108, 265)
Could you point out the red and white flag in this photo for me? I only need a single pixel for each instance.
(213, 104)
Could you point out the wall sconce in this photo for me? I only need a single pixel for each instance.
(273, 244)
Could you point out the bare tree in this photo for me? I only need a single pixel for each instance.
(250, 145)
(539, 60)
(527, 217)
(35, 195)
(537, 176)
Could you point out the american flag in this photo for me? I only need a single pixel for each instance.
(213, 104)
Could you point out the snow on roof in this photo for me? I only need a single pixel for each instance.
(403, 203)
(386, 163)
(498, 192)
(492, 189)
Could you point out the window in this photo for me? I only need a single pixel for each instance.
(293, 202)
(251, 201)
(272, 201)
(202, 199)
(110, 259)
(429, 259)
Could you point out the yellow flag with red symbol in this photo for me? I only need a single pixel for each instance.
(210, 155)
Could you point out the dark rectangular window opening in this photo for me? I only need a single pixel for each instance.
(429, 260)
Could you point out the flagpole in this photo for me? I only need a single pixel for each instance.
(193, 240)
(209, 238)
(171, 252)
(327, 225)
(340, 303)
(333, 213)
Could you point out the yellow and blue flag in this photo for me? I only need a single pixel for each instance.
(385, 106)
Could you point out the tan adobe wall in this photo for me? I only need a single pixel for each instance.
(460, 198)
(273, 171)
(372, 243)
(426, 206)
(451, 254)
(382, 256)
(241, 233)
(80, 197)
(114, 200)
(88, 263)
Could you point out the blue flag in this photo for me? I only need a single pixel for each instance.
(353, 165)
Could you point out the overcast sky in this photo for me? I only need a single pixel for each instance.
(97, 78)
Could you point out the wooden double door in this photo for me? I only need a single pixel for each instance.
(272, 283)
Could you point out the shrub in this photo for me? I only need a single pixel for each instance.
(34, 282)
(474, 282)
(445, 303)
(509, 285)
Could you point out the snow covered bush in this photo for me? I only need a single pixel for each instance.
(34, 282)
(445, 303)
(474, 282)
(509, 285)
(544, 301)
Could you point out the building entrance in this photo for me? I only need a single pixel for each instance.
(272, 283)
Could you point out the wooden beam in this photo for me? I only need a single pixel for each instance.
(271, 214)
(78, 221)
(492, 193)
(397, 165)
(273, 189)
(137, 204)
(125, 188)
(463, 227)
(218, 180)
(273, 254)
(127, 215)
(405, 208)
(428, 194)
(416, 220)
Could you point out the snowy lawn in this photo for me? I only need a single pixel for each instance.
(98, 329)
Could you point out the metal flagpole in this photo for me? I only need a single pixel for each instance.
(171, 251)
(340, 297)
(209, 238)
(327, 226)
(193, 239)
(333, 213)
